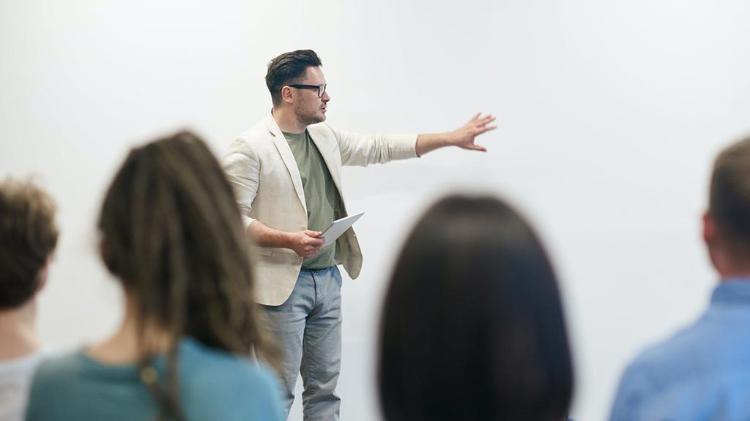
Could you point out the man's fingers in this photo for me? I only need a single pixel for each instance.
(488, 120)
(310, 251)
(486, 129)
(480, 117)
(314, 242)
(475, 147)
(482, 122)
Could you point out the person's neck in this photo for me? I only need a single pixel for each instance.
(288, 121)
(18, 331)
(734, 275)
(730, 264)
(124, 346)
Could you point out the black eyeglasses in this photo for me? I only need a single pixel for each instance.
(320, 88)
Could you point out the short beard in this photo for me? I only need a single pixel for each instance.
(308, 119)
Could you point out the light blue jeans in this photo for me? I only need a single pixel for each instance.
(308, 328)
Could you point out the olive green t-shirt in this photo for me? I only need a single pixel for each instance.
(321, 196)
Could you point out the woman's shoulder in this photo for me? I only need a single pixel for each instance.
(214, 381)
(56, 366)
(199, 360)
(54, 381)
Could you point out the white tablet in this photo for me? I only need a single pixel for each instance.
(339, 227)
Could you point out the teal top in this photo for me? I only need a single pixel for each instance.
(321, 196)
(214, 385)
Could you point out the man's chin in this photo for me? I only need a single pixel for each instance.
(312, 119)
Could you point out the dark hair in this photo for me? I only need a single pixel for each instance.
(287, 68)
(729, 196)
(172, 234)
(28, 236)
(472, 325)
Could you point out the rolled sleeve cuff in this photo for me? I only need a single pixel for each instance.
(403, 146)
(246, 221)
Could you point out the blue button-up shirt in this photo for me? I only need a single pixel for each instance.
(700, 373)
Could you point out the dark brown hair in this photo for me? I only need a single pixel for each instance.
(472, 325)
(288, 67)
(729, 196)
(172, 234)
(28, 236)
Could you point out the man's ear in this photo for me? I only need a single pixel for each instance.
(42, 276)
(709, 229)
(286, 94)
(105, 254)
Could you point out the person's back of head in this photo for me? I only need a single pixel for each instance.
(171, 233)
(727, 221)
(472, 325)
(28, 237)
(703, 366)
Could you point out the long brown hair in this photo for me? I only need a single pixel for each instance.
(473, 325)
(172, 234)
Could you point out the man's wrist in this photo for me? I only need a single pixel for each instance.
(450, 138)
(287, 240)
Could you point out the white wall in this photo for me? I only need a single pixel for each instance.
(610, 113)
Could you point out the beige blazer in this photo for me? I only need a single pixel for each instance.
(267, 182)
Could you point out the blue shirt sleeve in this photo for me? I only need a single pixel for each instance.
(634, 387)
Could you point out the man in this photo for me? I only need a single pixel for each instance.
(287, 174)
(703, 371)
(28, 236)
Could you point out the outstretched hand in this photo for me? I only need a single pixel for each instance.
(463, 137)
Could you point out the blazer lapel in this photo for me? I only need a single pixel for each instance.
(332, 169)
(286, 155)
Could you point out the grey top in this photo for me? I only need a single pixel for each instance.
(15, 380)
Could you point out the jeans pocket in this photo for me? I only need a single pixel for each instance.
(337, 276)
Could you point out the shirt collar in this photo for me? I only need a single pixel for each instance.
(732, 291)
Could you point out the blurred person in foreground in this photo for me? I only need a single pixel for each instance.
(28, 237)
(172, 235)
(702, 372)
(472, 325)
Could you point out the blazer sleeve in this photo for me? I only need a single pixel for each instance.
(363, 150)
(242, 168)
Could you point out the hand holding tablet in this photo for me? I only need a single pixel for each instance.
(338, 227)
